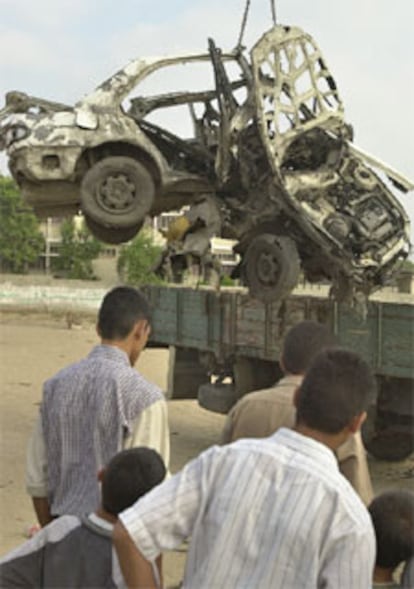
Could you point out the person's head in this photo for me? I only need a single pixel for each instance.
(335, 392)
(302, 343)
(392, 515)
(125, 316)
(128, 476)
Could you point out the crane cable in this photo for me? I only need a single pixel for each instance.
(244, 22)
(245, 15)
(273, 9)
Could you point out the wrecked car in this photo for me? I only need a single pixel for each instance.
(271, 155)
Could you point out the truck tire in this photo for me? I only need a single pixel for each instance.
(386, 441)
(185, 373)
(117, 192)
(217, 397)
(270, 267)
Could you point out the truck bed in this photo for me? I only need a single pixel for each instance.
(229, 323)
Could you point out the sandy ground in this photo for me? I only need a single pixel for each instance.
(32, 348)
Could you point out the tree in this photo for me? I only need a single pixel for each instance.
(77, 250)
(407, 266)
(137, 259)
(21, 241)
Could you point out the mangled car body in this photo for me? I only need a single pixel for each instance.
(272, 157)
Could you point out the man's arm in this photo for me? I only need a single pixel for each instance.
(136, 570)
(227, 434)
(36, 477)
(42, 510)
(353, 464)
(151, 430)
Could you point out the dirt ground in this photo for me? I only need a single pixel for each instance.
(32, 348)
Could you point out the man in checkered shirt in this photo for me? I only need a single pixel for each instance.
(93, 409)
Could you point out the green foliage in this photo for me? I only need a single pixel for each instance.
(21, 241)
(407, 266)
(137, 259)
(226, 280)
(78, 248)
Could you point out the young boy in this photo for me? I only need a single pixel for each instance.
(392, 514)
(77, 552)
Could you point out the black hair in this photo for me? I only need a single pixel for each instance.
(121, 308)
(302, 343)
(338, 386)
(392, 515)
(129, 475)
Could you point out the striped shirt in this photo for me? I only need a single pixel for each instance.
(270, 513)
(261, 413)
(87, 413)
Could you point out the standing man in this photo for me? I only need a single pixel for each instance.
(260, 413)
(269, 513)
(93, 409)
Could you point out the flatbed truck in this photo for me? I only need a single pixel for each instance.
(224, 344)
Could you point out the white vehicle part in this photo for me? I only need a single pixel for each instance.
(402, 180)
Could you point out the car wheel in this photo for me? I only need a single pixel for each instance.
(112, 235)
(117, 192)
(270, 267)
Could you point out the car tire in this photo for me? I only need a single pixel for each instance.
(117, 192)
(112, 235)
(270, 267)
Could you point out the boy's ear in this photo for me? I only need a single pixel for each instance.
(356, 422)
(100, 474)
(141, 329)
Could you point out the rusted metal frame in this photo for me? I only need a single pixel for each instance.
(148, 104)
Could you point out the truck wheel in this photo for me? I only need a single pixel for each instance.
(185, 373)
(270, 267)
(117, 192)
(217, 397)
(112, 235)
(252, 374)
(388, 441)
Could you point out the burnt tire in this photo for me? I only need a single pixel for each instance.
(270, 267)
(116, 192)
(112, 235)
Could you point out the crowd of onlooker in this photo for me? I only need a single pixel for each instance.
(283, 501)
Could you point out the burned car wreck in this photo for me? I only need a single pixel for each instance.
(271, 160)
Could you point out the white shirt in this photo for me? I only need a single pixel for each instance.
(273, 513)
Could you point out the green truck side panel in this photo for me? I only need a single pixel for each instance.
(228, 323)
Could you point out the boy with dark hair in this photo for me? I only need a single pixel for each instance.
(392, 514)
(121, 308)
(93, 409)
(77, 552)
(260, 413)
(274, 512)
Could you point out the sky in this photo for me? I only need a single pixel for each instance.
(62, 49)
